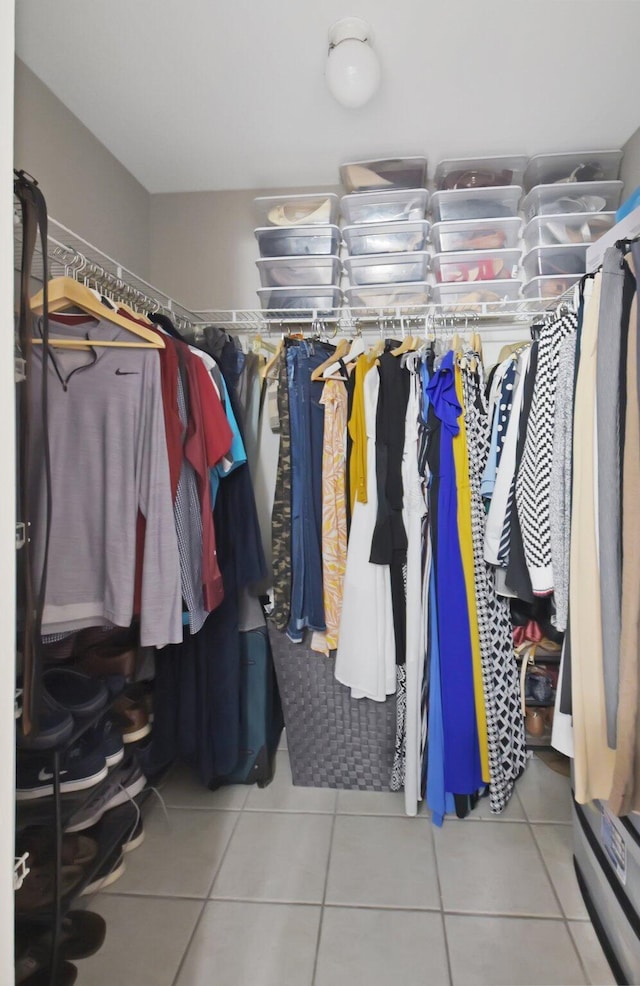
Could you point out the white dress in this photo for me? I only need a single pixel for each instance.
(366, 657)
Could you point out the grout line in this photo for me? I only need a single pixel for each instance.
(565, 920)
(205, 902)
(509, 915)
(439, 886)
(324, 894)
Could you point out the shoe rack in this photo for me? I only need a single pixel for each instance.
(55, 811)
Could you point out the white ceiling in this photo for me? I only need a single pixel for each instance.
(203, 94)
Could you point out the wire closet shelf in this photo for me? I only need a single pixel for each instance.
(71, 255)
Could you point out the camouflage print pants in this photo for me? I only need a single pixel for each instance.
(281, 514)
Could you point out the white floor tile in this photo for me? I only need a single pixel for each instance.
(487, 951)
(183, 789)
(492, 868)
(246, 944)
(545, 794)
(178, 859)
(276, 857)
(145, 940)
(281, 795)
(590, 951)
(556, 846)
(381, 947)
(384, 862)
(370, 803)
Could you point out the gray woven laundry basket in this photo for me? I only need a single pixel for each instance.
(333, 739)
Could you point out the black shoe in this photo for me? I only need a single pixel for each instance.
(82, 766)
(134, 838)
(76, 692)
(108, 736)
(53, 727)
(32, 968)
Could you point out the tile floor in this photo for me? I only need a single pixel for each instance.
(302, 887)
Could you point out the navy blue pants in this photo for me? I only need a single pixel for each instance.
(307, 435)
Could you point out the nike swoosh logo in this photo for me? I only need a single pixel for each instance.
(127, 373)
(44, 774)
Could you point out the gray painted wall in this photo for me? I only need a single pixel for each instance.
(630, 172)
(203, 250)
(86, 188)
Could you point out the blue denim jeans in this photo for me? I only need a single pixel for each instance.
(307, 434)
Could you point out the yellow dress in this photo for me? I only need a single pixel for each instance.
(358, 432)
(461, 461)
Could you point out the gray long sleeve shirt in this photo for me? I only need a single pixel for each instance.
(108, 460)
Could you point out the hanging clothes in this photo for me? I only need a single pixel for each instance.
(500, 677)
(366, 655)
(109, 461)
(534, 474)
(462, 769)
(625, 793)
(463, 488)
(334, 507)
(417, 617)
(594, 761)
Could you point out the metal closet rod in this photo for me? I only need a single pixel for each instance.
(350, 320)
(93, 275)
(77, 264)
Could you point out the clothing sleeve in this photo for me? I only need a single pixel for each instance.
(218, 436)
(505, 473)
(560, 491)
(161, 604)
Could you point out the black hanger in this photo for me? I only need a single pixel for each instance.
(165, 323)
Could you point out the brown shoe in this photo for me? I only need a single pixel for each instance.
(534, 722)
(102, 661)
(37, 891)
(32, 968)
(133, 718)
(39, 842)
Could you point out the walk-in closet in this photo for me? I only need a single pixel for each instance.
(321, 594)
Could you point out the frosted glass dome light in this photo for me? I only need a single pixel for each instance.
(353, 68)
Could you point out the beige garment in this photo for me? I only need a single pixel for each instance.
(594, 761)
(625, 796)
(334, 507)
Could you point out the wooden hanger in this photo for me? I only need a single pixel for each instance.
(258, 344)
(377, 349)
(65, 292)
(268, 366)
(356, 349)
(407, 344)
(139, 316)
(341, 351)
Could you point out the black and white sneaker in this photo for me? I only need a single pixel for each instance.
(107, 735)
(134, 838)
(123, 785)
(83, 765)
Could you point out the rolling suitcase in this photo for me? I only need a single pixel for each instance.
(261, 720)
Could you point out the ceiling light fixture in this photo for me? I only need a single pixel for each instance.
(353, 68)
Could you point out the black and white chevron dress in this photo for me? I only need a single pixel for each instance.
(500, 678)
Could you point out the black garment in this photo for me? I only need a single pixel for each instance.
(350, 385)
(517, 576)
(389, 542)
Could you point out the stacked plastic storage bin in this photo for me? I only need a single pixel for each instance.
(476, 231)
(386, 233)
(299, 245)
(571, 201)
